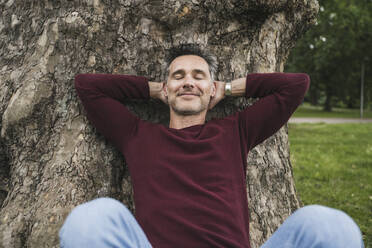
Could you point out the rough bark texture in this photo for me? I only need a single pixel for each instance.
(52, 159)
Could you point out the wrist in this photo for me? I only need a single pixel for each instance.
(228, 89)
(238, 87)
(155, 89)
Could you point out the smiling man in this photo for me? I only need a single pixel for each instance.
(189, 90)
(189, 87)
(189, 178)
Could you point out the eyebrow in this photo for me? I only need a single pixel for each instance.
(181, 71)
(200, 71)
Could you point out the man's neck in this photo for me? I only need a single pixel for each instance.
(183, 121)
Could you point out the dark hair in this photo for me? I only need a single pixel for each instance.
(191, 49)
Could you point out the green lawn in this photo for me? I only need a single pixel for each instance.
(332, 166)
(307, 110)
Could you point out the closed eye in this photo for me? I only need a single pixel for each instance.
(178, 74)
(199, 74)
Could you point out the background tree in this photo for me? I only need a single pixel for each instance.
(52, 157)
(333, 51)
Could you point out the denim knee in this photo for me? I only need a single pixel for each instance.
(92, 217)
(94, 210)
(103, 222)
(329, 226)
(318, 215)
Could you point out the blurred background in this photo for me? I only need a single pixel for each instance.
(337, 54)
(332, 163)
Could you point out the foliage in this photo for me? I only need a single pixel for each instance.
(307, 110)
(332, 53)
(332, 166)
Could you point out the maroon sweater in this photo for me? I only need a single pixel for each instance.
(189, 184)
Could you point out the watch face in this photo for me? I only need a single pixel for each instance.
(228, 89)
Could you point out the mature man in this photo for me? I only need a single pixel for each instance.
(189, 178)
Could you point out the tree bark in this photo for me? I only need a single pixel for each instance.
(52, 157)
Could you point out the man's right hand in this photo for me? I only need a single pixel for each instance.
(157, 92)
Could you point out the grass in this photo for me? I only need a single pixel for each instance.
(307, 110)
(332, 165)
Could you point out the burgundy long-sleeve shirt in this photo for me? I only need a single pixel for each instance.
(189, 184)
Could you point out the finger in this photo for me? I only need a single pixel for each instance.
(211, 104)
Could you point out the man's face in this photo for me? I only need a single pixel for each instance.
(189, 85)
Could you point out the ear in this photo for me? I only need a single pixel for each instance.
(165, 88)
(214, 88)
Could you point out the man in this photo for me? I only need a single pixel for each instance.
(189, 178)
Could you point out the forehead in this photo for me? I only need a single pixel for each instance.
(189, 62)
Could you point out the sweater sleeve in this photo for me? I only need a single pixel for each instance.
(102, 96)
(280, 94)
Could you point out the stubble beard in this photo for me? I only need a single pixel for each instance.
(188, 112)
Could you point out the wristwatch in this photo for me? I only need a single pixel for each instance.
(228, 88)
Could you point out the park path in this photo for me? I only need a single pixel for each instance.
(327, 120)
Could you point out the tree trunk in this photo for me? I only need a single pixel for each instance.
(53, 159)
(328, 102)
(314, 96)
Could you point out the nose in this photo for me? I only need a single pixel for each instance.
(188, 82)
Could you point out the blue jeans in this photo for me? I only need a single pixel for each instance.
(106, 222)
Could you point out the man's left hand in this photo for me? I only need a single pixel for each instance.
(220, 94)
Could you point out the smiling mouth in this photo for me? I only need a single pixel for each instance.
(188, 94)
